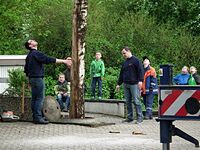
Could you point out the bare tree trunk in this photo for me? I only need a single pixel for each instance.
(78, 52)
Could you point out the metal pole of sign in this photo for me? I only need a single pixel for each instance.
(166, 146)
(165, 133)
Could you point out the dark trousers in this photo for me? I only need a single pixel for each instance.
(96, 80)
(64, 101)
(148, 103)
(37, 97)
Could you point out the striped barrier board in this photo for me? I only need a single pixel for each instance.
(179, 102)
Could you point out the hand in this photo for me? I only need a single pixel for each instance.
(65, 94)
(117, 88)
(60, 92)
(68, 62)
(140, 85)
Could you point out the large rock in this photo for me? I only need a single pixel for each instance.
(51, 109)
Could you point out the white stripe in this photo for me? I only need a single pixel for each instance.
(165, 93)
(179, 102)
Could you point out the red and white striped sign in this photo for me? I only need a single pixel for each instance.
(173, 102)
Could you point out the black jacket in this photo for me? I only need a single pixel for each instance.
(196, 78)
(131, 71)
(34, 66)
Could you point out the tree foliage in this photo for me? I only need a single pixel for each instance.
(167, 31)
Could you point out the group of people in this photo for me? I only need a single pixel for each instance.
(34, 70)
(62, 88)
(188, 76)
(138, 80)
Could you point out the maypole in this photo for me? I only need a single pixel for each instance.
(78, 65)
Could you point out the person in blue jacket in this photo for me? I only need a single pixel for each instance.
(149, 87)
(182, 78)
(34, 70)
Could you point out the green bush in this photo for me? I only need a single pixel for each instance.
(108, 85)
(49, 86)
(15, 82)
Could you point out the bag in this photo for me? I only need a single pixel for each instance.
(8, 116)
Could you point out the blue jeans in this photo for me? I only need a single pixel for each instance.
(96, 80)
(131, 92)
(64, 101)
(148, 103)
(37, 97)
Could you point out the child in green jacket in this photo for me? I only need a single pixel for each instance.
(97, 71)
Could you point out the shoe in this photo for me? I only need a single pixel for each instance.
(93, 98)
(42, 121)
(127, 120)
(148, 118)
(99, 98)
(65, 110)
(138, 121)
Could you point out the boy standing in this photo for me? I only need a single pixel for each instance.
(97, 71)
(149, 87)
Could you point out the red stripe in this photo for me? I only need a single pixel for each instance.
(196, 95)
(182, 111)
(169, 100)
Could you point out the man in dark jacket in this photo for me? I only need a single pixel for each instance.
(34, 69)
(131, 75)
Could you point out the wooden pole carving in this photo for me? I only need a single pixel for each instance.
(78, 65)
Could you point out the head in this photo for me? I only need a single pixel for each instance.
(61, 77)
(31, 44)
(193, 70)
(146, 61)
(126, 52)
(184, 70)
(70, 59)
(98, 55)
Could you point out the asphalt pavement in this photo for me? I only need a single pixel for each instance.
(115, 136)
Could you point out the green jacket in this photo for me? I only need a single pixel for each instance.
(61, 87)
(97, 68)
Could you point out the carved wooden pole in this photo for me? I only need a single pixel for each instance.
(78, 65)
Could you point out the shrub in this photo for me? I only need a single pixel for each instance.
(15, 82)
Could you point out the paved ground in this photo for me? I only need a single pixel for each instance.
(28, 136)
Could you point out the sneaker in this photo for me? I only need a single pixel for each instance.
(127, 120)
(99, 98)
(65, 110)
(93, 98)
(148, 118)
(138, 121)
(42, 121)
